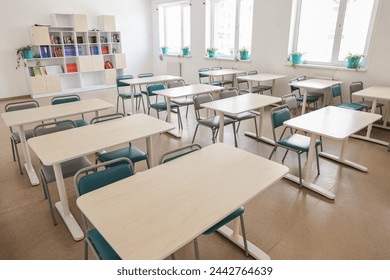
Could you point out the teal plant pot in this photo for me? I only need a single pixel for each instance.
(353, 62)
(27, 54)
(164, 50)
(244, 55)
(296, 59)
(211, 53)
(186, 52)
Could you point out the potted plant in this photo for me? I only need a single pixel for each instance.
(295, 58)
(353, 60)
(211, 52)
(186, 51)
(164, 50)
(244, 54)
(23, 52)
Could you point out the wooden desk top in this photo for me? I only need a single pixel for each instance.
(261, 77)
(241, 103)
(222, 72)
(316, 83)
(69, 144)
(374, 92)
(155, 212)
(333, 122)
(151, 80)
(188, 90)
(43, 113)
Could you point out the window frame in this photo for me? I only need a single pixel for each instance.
(182, 5)
(294, 33)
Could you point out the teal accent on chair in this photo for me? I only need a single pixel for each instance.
(69, 99)
(179, 152)
(336, 92)
(228, 219)
(127, 95)
(85, 183)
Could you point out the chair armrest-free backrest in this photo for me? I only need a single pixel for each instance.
(179, 152)
(355, 86)
(105, 118)
(53, 127)
(145, 75)
(200, 99)
(65, 99)
(291, 101)
(119, 80)
(336, 90)
(179, 83)
(152, 88)
(228, 93)
(22, 105)
(279, 115)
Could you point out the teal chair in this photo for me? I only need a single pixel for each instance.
(222, 82)
(14, 137)
(67, 99)
(293, 142)
(69, 168)
(161, 106)
(127, 95)
(181, 101)
(336, 92)
(144, 90)
(84, 183)
(204, 79)
(131, 152)
(185, 150)
(310, 99)
(356, 86)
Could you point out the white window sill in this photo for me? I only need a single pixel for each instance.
(329, 67)
(227, 59)
(175, 55)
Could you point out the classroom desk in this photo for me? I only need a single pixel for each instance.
(185, 91)
(223, 72)
(146, 81)
(320, 84)
(239, 104)
(53, 149)
(21, 118)
(333, 122)
(375, 93)
(261, 77)
(154, 213)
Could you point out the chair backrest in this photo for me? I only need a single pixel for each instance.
(294, 88)
(336, 91)
(227, 93)
(279, 115)
(179, 152)
(252, 72)
(354, 87)
(200, 70)
(53, 127)
(291, 101)
(65, 99)
(199, 100)
(105, 118)
(175, 84)
(151, 88)
(216, 68)
(22, 105)
(119, 80)
(301, 78)
(145, 75)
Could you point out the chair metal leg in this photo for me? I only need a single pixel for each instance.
(238, 126)
(234, 133)
(147, 164)
(187, 111)
(196, 247)
(13, 149)
(285, 154)
(123, 104)
(117, 104)
(273, 151)
(18, 158)
(143, 104)
(196, 130)
(45, 185)
(85, 249)
(257, 131)
(244, 235)
(318, 162)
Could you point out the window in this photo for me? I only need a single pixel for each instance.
(229, 26)
(327, 30)
(174, 26)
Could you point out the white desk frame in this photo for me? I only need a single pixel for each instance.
(375, 93)
(239, 104)
(21, 118)
(146, 81)
(317, 84)
(164, 207)
(261, 77)
(223, 72)
(185, 91)
(77, 142)
(332, 122)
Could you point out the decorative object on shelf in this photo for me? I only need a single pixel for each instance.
(211, 52)
(295, 58)
(23, 52)
(164, 50)
(244, 54)
(186, 51)
(353, 60)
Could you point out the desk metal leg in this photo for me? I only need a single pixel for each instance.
(221, 126)
(259, 129)
(149, 149)
(132, 92)
(304, 100)
(63, 206)
(236, 238)
(32, 175)
(176, 131)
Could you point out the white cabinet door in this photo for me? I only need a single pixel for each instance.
(53, 83)
(120, 61)
(85, 64)
(97, 62)
(40, 35)
(80, 23)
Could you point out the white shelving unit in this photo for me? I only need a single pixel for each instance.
(68, 58)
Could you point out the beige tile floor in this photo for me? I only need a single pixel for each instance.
(285, 221)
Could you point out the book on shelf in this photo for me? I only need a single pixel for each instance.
(70, 50)
(94, 50)
(45, 51)
(80, 50)
(56, 52)
(38, 71)
(54, 69)
(105, 50)
(71, 67)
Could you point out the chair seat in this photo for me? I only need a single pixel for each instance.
(297, 142)
(81, 122)
(351, 106)
(162, 106)
(222, 83)
(242, 116)
(29, 134)
(69, 168)
(130, 152)
(368, 104)
(214, 121)
(183, 101)
(226, 220)
(127, 95)
(315, 94)
(309, 99)
(101, 245)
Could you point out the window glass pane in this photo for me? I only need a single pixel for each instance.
(245, 32)
(173, 28)
(161, 26)
(186, 26)
(355, 29)
(317, 29)
(224, 12)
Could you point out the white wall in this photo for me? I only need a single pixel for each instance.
(133, 19)
(271, 25)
